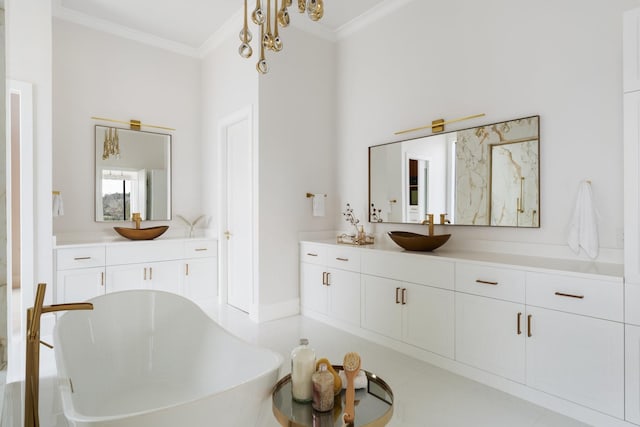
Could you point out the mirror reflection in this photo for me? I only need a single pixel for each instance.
(486, 175)
(133, 174)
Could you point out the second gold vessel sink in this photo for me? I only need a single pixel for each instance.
(149, 233)
(418, 242)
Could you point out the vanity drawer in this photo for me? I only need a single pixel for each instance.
(85, 257)
(200, 248)
(494, 282)
(144, 251)
(406, 267)
(344, 258)
(597, 298)
(313, 253)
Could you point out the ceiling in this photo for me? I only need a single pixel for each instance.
(191, 23)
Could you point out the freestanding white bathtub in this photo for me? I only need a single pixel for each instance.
(150, 358)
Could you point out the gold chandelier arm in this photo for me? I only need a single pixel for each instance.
(439, 123)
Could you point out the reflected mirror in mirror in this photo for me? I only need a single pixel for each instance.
(487, 175)
(133, 174)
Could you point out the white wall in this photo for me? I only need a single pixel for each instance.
(99, 74)
(297, 155)
(508, 59)
(28, 26)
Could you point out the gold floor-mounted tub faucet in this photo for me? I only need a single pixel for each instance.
(32, 374)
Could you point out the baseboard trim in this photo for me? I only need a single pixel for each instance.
(267, 312)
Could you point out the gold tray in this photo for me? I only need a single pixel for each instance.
(346, 239)
(374, 406)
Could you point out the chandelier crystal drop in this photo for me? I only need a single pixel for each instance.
(270, 20)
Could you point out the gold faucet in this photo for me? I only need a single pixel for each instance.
(135, 217)
(429, 221)
(32, 372)
(443, 219)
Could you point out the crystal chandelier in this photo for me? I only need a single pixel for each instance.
(269, 21)
(111, 145)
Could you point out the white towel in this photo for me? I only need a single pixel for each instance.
(318, 205)
(583, 228)
(360, 381)
(57, 205)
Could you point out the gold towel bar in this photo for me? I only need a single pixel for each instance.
(310, 195)
(55, 193)
(439, 123)
(131, 123)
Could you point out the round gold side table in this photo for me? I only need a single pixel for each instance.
(374, 406)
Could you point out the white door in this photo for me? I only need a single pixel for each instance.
(239, 213)
(490, 335)
(577, 358)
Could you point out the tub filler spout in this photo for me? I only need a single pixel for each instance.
(32, 373)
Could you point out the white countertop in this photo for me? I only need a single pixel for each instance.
(599, 270)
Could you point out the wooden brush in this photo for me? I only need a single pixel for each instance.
(351, 367)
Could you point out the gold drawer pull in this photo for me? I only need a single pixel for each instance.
(562, 294)
(397, 297)
(325, 278)
(343, 259)
(404, 296)
(529, 334)
(519, 317)
(310, 254)
(200, 249)
(81, 258)
(485, 282)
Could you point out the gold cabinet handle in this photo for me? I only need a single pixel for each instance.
(81, 258)
(519, 317)
(310, 254)
(529, 334)
(562, 294)
(397, 296)
(186, 269)
(324, 278)
(328, 278)
(102, 279)
(404, 296)
(343, 259)
(486, 282)
(150, 273)
(145, 273)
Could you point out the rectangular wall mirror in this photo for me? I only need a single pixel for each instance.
(133, 174)
(487, 175)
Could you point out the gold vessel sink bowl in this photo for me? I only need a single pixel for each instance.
(418, 242)
(149, 233)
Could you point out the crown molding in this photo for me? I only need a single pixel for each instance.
(105, 26)
(369, 17)
(231, 26)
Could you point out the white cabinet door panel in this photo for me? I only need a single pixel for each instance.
(578, 358)
(201, 279)
(428, 318)
(381, 308)
(313, 293)
(79, 285)
(344, 296)
(490, 335)
(632, 374)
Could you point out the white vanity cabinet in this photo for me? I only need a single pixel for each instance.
(80, 273)
(200, 269)
(414, 313)
(330, 282)
(183, 266)
(545, 334)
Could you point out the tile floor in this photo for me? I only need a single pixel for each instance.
(425, 395)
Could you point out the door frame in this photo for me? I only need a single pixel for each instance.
(243, 114)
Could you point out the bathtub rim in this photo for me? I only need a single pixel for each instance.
(64, 386)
